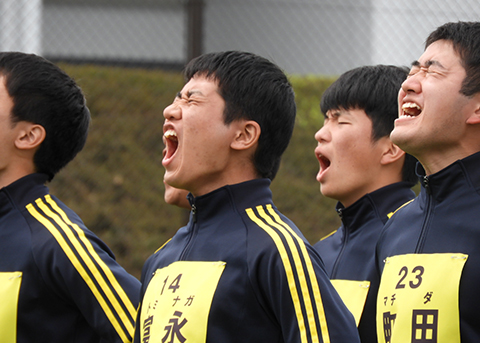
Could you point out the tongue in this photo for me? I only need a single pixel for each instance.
(324, 162)
(172, 145)
(412, 111)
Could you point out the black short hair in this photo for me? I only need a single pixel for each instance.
(373, 89)
(465, 37)
(254, 89)
(44, 94)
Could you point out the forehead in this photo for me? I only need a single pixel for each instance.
(353, 113)
(200, 85)
(442, 52)
(360, 120)
(5, 98)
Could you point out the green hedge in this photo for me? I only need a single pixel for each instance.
(116, 183)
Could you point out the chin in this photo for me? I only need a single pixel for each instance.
(325, 192)
(398, 138)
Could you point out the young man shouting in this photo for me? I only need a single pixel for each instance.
(429, 251)
(239, 271)
(368, 175)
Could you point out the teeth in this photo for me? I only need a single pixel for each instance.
(410, 105)
(411, 109)
(170, 134)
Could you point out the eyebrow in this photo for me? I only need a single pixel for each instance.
(428, 64)
(189, 93)
(335, 113)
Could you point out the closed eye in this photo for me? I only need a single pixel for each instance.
(414, 71)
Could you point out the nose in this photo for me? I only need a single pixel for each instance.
(322, 135)
(413, 83)
(172, 111)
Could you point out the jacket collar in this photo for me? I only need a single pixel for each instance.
(379, 204)
(237, 197)
(441, 184)
(28, 188)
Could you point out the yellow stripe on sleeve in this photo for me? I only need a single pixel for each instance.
(301, 272)
(311, 273)
(289, 233)
(288, 270)
(108, 272)
(77, 264)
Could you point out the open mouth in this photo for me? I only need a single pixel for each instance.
(324, 165)
(324, 162)
(171, 142)
(411, 109)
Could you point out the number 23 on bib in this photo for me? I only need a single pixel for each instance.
(418, 298)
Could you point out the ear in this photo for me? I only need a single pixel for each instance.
(30, 136)
(474, 118)
(392, 153)
(246, 135)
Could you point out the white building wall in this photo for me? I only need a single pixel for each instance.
(401, 28)
(303, 36)
(21, 25)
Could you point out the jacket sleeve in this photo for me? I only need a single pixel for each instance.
(292, 279)
(82, 270)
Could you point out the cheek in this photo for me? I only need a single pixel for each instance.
(359, 155)
(197, 136)
(348, 145)
(205, 146)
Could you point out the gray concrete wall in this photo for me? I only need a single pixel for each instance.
(106, 32)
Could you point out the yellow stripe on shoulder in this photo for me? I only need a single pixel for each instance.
(328, 235)
(49, 219)
(276, 229)
(162, 246)
(392, 213)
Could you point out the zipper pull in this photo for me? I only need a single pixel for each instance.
(194, 213)
(340, 213)
(191, 200)
(427, 185)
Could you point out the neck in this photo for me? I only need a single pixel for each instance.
(230, 176)
(435, 162)
(13, 173)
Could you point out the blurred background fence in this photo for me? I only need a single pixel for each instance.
(127, 56)
(324, 37)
